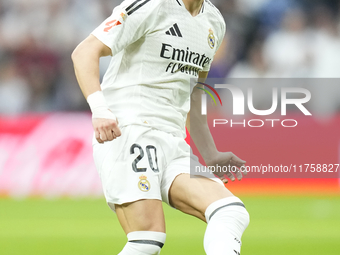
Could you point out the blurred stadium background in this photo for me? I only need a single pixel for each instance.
(50, 196)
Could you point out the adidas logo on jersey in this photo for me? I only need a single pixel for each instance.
(174, 31)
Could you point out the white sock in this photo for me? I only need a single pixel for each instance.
(144, 243)
(227, 219)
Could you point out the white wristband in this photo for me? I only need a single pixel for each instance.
(99, 107)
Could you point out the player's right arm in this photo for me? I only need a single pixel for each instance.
(86, 64)
(128, 22)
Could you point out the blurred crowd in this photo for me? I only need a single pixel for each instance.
(265, 39)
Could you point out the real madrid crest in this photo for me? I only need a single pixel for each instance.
(143, 183)
(211, 39)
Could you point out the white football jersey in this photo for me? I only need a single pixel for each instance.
(157, 47)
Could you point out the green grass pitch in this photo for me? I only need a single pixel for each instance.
(279, 225)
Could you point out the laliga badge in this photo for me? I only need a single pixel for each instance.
(123, 15)
(144, 184)
(211, 39)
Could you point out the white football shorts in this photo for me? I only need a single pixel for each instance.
(141, 164)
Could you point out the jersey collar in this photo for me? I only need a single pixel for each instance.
(180, 2)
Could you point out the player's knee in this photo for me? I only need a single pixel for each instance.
(229, 209)
(144, 243)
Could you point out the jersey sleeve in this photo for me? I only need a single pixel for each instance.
(221, 35)
(129, 22)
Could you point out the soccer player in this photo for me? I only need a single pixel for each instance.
(139, 116)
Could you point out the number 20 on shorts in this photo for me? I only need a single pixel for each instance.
(153, 164)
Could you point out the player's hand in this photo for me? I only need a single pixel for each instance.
(105, 123)
(105, 129)
(227, 165)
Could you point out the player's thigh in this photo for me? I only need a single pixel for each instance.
(142, 215)
(192, 195)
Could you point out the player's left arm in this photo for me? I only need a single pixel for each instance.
(204, 141)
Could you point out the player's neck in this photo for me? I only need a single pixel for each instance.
(193, 6)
